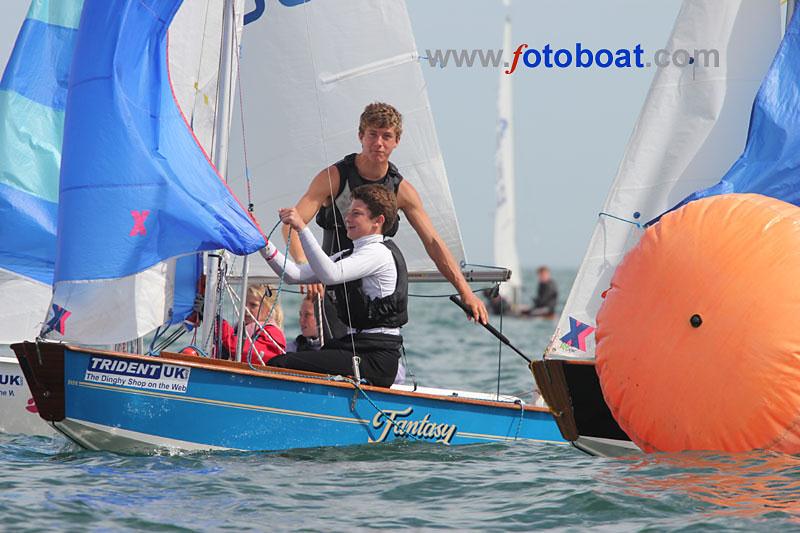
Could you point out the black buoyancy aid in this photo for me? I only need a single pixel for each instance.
(365, 313)
(332, 216)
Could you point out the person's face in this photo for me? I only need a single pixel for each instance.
(377, 144)
(253, 303)
(544, 276)
(359, 221)
(308, 322)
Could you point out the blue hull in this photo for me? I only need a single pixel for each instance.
(122, 402)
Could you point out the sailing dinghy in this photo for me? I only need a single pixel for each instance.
(691, 130)
(138, 191)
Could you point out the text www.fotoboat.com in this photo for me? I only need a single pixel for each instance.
(577, 56)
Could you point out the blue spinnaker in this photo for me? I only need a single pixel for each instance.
(33, 92)
(136, 187)
(770, 163)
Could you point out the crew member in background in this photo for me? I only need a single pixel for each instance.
(544, 304)
(268, 336)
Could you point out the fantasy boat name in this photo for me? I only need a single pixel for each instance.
(120, 372)
(423, 429)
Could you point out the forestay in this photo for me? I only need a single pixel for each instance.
(308, 70)
(136, 188)
(32, 99)
(691, 129)
(505, 221)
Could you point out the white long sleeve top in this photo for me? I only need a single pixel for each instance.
(371, 262)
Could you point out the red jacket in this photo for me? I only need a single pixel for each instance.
(263, 344)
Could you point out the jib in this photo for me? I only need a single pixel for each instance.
(175, 372)
(9, 379)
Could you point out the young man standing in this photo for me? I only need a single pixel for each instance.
(379, 132)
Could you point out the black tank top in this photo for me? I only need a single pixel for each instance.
(331, 217)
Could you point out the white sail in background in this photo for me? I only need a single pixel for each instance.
(307, 72)
(505, 222)
(692, 128)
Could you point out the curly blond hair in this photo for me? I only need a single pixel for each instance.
(381, 115)
(259, 291)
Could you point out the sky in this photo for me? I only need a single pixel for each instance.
(571, 125)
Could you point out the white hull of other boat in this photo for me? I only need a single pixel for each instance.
(18, 413)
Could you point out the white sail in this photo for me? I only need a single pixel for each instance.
(505, 221)
(23, 308)
(691, 129)
(307, 72)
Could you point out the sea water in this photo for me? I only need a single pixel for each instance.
(48, 483)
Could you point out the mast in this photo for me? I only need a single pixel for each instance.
(790, 5)
(220, 159)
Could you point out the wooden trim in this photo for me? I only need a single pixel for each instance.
(285, 374)
(43, 366)
(552, 382)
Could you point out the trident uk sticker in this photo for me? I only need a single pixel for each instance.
(138, 374)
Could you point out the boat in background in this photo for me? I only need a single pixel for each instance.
(18, 411)
(691, 129)
(136, 403)
(505, 218)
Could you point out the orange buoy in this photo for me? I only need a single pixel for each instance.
(698, 339)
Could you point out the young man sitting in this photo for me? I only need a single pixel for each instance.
(371, 284)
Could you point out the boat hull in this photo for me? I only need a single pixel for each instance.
(18, 412)
(572, 390)
(136, 404)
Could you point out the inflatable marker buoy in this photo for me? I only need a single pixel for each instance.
(698, 339)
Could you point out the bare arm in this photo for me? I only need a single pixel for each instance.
(409, 201)
(319, 193)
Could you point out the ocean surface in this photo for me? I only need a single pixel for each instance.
(47, 483)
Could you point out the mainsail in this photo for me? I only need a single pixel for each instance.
(505, 233)
(137, 189)
(308, 70)
(691, 128)
(33, 94)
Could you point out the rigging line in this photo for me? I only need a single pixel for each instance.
(521, 404)
(491, 267)
(248, 181)
(216, 99)
(499, 343)
(609, 215)
(398, 430)
(277, 298)
(448, 295)
(409, 371)
(307, 7)
(199, 66)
